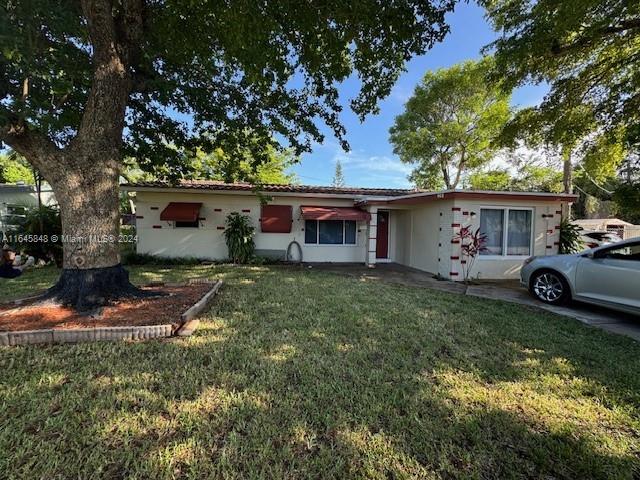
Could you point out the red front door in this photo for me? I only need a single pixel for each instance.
(382, 235)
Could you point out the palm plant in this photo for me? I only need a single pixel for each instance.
(238, 234)
(570, 238)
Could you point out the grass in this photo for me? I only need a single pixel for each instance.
(303, 374)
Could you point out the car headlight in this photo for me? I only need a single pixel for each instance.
(528, 261)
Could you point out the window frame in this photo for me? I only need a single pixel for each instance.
(505, 232)
(344, 227)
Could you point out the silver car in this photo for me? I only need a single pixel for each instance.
(608, 276)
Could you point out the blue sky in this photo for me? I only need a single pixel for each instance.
(371, 162)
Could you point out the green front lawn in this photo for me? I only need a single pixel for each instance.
(298, 373)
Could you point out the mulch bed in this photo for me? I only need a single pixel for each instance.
(147, 311)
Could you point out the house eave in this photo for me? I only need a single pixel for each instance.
(422, 197)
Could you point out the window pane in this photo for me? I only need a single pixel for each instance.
(331, 232)
(519, 232)
(491, 224)
(311, 231)
(195, 224)
(350, 232)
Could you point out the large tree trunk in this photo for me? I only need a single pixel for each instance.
(89, 201)
(567, 179)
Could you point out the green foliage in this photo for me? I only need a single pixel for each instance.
(529, 178)
(450, 123)
(587, 50)
(217, 165)
(496, 179)
(589, 53)
(233, 75)
(338, 176)
(627, 198)
(238, 234)
(13, 170)
(603, 156)
(133, 258)
(570, 241)
(43, 222)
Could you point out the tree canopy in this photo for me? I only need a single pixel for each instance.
(588, 51)
(214, 166)
(450, 123)
(207, 74)
(530, 178)
(338, 176)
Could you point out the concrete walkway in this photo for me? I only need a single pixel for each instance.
(508, 291)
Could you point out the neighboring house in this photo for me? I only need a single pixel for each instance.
(16, 198)
(623, 229)
(363, 225)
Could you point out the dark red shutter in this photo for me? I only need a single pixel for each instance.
(276, 218)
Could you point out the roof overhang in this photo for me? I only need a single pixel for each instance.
(334, 213)
(424, 197)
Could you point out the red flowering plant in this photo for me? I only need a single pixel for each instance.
(472, 243)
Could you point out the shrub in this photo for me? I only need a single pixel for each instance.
(40, 224)
(570, 240)
(133, 258)
(472, 243)
(238, 235)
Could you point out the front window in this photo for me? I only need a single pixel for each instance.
(330, 232)
(508, 231)
(179, 224)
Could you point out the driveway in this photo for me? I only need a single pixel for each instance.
(508, 291)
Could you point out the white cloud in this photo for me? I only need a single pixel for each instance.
(375, 163)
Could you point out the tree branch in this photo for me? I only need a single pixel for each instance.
(115, 41)
(592, 37)
(34, 146)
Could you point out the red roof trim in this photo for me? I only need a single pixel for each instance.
(333, 213)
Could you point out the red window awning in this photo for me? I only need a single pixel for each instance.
(181, 212)
(334, 213)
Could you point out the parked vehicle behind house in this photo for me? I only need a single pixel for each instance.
(598, 239)
(608, 276)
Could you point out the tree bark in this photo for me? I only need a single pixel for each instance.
(567, 179)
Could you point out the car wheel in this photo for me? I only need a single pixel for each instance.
(549, 287)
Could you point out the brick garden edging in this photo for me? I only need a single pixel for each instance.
(101, 334)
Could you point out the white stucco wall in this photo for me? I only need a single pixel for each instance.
(425, 248)
(545, 236)
(208, 240)
(420, 236)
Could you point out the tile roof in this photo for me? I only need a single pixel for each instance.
(216, 185)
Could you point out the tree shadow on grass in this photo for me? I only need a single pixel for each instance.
(330, 377)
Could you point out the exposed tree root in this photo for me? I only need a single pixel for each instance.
(88, 289)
